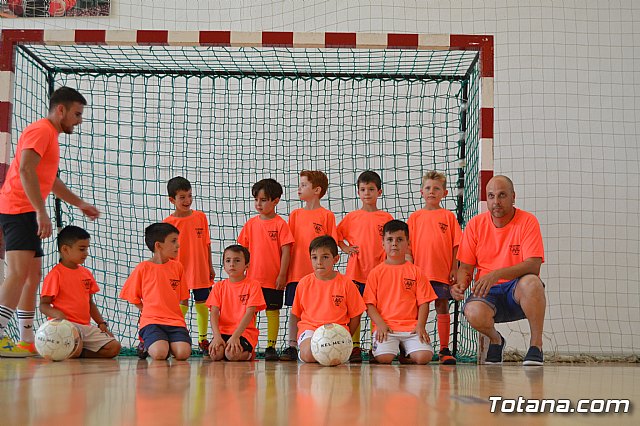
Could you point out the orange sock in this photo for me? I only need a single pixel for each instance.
(444, 323)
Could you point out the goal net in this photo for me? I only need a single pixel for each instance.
(227, 116)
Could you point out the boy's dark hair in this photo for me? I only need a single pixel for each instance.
(317, 179)
(70, 234)
(157, 233)
(271, 188)
(176, 184)
(324, 241)
(370, 177)
(237, 248)
(395, 226)
(65, 96)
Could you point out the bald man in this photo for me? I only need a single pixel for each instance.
(504, 247)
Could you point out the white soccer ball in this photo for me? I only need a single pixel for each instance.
(57, 339)
(331, 344)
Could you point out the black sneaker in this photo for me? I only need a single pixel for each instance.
(270, 354)
(203, 346)
(372, 359)
(494, 353)
(141, 351)
(534, 356)
(403, 358)
(445, 357)
(356, 355)
(289, 354)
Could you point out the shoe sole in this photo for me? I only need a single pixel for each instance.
(17, 355)
(448, 362)
(532, 363)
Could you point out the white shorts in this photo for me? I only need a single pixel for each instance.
(93, 339)
(307, 334)
(409, 341)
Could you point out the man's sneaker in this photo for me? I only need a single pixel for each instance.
(356, 355)
(445, 357)
(270, 354)
(534, 356)
(372, 358)
(403, 358)
(8, 349)
(289, 354)
(203, 345)
(141, 351)
(494, 353)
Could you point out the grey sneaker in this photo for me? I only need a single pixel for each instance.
(534, 356)
(494, 353)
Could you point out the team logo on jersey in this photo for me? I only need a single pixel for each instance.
(244, 298)
(318, 228)
(337, 299)
(199, 232)
(380, 230)
(443, 227)
(174, 283)
(273, 235)
(409, 283)
(515, 249)
(87, 284)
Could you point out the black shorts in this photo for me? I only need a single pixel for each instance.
(246, 346)
(201, 294)
(360, 286)
(290, 293)
(21, 232)
(273, 298)
(170, 333)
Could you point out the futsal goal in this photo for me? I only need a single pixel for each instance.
(225, 109)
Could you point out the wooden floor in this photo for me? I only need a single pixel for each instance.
(127, 391)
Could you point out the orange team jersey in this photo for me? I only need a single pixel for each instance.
(364, 230)
(265, 239)
(434, 234)
(305, 226)
(233, 299)
(159, 287)
(194, 248)
(71, 290)
(397, 291)
(489, 248)
(320, 302)
(41, 137)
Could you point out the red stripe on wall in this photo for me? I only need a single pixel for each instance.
(486, 123)
(5, 117)
(340, 39)
(485, 177)
(90, 36)
(402, 41)
(9, 38)
(215, 38)
(152, 37)
(277, 39)
(483, 43)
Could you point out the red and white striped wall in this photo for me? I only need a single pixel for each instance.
(481, 43)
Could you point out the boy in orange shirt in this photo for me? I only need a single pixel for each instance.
(67, 294)
(397, 297)
(435, 239)
(305, 223)
(268, 235)
(194, 253)
(362, 230)
(156, 288)
(234, 303)
(324, 297)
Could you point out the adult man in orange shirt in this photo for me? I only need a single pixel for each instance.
(23, 215)
(505, 247)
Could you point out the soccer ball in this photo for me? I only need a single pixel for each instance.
(57, 339)
(331, 344)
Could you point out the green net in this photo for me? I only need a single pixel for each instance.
(226, 117)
